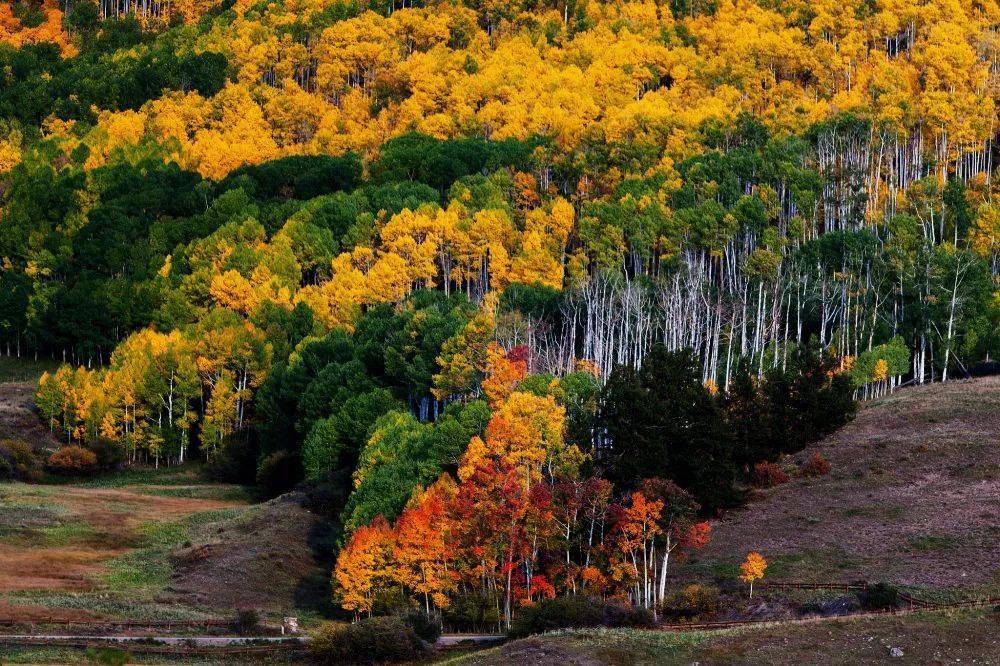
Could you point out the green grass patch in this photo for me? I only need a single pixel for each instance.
(930, 542)
(220, 493)
(189, 474)
(13, 369)
(111, 606)
(610, 646)
(874, 511)
(30, 514)
(146, 570)
(67, 533)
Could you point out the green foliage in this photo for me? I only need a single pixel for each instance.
(41, 82)
(403, 454)
(367, 641)
(297, 177)
(576, 611)
(439, 163)
(879, 597)
(693, 601)
(18, 462)
(278, 473)
(661, 421)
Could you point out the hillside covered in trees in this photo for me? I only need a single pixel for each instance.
(523, 291)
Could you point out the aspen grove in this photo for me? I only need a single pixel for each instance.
(526, 289)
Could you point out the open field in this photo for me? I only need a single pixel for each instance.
(912, 498)
(88, 538)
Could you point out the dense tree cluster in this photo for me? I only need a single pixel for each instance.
(468, 267)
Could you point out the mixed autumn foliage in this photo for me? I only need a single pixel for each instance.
(526, 290)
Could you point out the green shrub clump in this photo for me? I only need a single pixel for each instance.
(18, 462)
(574, 612)
(694, 601)
(880, 596)
(370, 641)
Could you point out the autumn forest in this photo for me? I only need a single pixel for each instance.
(526, 292)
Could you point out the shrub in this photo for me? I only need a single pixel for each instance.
(247, 621)
(426, 625)
(73, 461)
(278, 473)
(817, 465)
(109, 455)
(368, 641)
(576, 611)
(234, 462)
(767, 475)
(18, 461)
(693, 601)
(880, 596)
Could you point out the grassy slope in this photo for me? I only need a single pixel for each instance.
(101, 547)
(913, 498)
(146, 543)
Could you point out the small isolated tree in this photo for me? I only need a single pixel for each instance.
(753, 569)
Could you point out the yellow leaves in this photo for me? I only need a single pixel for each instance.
(984, 236)
(881, 371)
(10, 153)
(13, 32)
(753, 567)
(526, 431)
(502, 374)
(232, 290)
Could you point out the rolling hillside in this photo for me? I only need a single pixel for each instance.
(912, 498)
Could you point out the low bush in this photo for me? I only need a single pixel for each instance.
(234, 462)
(18, 462)
(278, 473)
(693, 601)
(768, 475)
(817, 465)
(247, 621)
(369, 641)
(574, 612)
(73, 461)
(110, 456)
(426, 626)
(880, 596)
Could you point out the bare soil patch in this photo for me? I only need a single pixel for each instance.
(913, 498)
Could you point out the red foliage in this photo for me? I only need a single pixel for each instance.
(73, 461)
(519, 354)
(768, 475)
(817, 465)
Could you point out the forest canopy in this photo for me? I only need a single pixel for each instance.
(562, 267)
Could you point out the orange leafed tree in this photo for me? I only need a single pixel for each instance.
(363, 568)
(753, 569)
